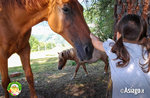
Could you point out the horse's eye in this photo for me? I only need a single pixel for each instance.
(66, 10)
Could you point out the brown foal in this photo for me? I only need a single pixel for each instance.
(70, 54)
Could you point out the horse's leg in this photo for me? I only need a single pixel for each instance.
(106, 65)
(75, 73)
(25, 59)
(4, 73)
(84, 67)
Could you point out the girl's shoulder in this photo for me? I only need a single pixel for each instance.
(109, 40)
(108, 44)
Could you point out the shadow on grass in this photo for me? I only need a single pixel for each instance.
(52, 83)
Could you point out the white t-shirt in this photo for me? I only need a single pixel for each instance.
(129, 81)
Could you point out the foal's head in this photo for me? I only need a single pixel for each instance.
(66, 18)
(61, 60)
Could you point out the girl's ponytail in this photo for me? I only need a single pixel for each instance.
(121, 52)
(145, 42)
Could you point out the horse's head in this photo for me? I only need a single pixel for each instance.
(61, 61)
(66, 18)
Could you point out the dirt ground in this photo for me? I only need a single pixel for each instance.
(58, 84)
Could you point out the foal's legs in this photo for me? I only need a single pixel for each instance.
(84, 67)
(77, 68)
(75, 73)
(4, 73)
(106, 67)
(25, 59)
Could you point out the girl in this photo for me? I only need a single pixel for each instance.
(129, 58)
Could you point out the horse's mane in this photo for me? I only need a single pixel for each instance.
(27, 4)
(69, 53)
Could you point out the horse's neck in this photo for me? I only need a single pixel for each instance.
(35, 18)
(23, 20)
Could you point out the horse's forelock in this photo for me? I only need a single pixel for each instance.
(72, 51)
(60, 55)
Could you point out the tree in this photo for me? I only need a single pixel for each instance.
(50, 45)
(106, 13)
(100, 13)
(34, 43)
(140, 7)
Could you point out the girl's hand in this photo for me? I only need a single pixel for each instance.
(94, 38)
(96, 42)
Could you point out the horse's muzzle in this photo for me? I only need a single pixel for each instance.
(84, 52)
(59, 68)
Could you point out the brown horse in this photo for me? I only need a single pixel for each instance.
(65, 17)
(70, 54)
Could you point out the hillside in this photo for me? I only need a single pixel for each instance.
(43, 33)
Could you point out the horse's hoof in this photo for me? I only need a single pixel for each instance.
(86, 75)
(72, 78)
(105, 73)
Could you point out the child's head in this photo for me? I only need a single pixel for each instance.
(133, 29)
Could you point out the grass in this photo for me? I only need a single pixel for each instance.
(49, 80)
(39, 66)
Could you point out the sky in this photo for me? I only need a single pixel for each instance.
(80, 1)
(42, 27)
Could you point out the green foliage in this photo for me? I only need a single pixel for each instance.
(46, 46)
(42, 46)
(73, 63)
(63, 45)
(39, 46)
(100, 13)
(34, 43)
(50, 45)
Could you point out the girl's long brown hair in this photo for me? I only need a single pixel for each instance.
(132, 28)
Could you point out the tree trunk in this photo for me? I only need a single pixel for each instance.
(140, 7)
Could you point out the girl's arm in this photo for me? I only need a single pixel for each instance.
(97, 43)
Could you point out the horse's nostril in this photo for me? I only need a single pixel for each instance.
(87, 49)
(84, 51)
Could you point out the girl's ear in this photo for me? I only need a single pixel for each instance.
(118, 35)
